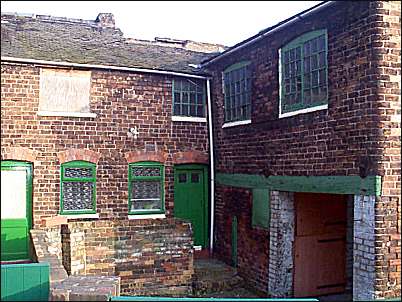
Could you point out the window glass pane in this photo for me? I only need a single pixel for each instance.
(307, 96)
(307, 49)
(185, 98)
(314, 45)
(323, 93)
(176, 110)
(292, 55)
(287, 72)
(192, 110)
(145, 171)
(298, 67)
(184, 86)
(298, 53)
(314, 78)
(321, 43)
(314, 62)
(307, 64)
(307, 80)
(77, 196)
(182, 177)
(323, 77)
(200, 111)
(200, 99)
(146, 189)
(192, 98)
(177, 97)
(315, 95)
(286, 56)
(184, 110)
(195, 177)
(321, 59)
(78, 173)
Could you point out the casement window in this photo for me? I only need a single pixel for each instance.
(146, 188)
(64, 92)
(261, 208)
(78, 188)
(188, 98)
(303, 74)
(237, 90)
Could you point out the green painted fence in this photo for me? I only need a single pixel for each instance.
(25, 282)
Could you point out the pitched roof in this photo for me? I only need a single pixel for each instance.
(88, 42)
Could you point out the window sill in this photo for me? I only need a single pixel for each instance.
(176, 118)
(79, 216)
(237, 123)
(146, 216)
(67, 114)
(301, 111)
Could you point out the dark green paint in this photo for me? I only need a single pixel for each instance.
(78, 164)
(15, 243)
(371, 185)
(261, 213)
(234, 241)
(191, 200)
(25, 282)
(161, 179)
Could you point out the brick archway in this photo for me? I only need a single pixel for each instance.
(137, 156)
(78, 154)
(191, 157)
(19, 153)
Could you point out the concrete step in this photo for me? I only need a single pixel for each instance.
(211, 275)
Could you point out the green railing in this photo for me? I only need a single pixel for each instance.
(25, 282)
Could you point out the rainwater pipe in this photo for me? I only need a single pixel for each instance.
(212, 166)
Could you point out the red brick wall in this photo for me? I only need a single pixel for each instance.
(359, 134)
(121, 100)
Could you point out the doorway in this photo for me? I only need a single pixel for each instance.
(191, 199)
(320, 244)
(16, 210)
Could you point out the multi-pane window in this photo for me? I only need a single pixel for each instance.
(146, 188)
(188, 98)
(304, 72)
(78, 187)
(237, 90)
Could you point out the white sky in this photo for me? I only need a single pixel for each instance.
(223, 22)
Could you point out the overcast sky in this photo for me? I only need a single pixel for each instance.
(223, 22)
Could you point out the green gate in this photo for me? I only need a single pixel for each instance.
(25, 282)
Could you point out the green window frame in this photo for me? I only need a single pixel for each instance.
(304, 72)
(146, 179)
(188, 97)
(261, 208)
(237, 91)
(78, 185)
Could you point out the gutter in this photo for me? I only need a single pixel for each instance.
(212, 166)
(269, 32)
(105, 67)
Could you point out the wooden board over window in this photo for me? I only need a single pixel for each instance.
(64, 90)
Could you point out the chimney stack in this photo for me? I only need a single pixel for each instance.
(105, 20)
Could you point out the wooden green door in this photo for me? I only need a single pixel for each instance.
(191, 199)
(16, 210)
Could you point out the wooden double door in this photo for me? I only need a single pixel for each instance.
(320, 244)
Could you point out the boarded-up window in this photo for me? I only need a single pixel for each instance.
(64, 90)
(261, 204)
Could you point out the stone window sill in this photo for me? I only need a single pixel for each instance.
(66, 114)
(176, 118)
(306, 110)
(146, 216)
(237, 123)
(80, 216)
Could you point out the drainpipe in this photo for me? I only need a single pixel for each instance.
(211, 152)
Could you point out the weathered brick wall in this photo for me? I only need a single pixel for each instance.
(252, 244)
(359, 134)
(121, 100)
(387, 49)
(152, 257)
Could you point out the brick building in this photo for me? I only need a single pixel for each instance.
(306, 118)
(111, 135)
(100, 132)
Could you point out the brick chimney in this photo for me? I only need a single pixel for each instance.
(105, 20)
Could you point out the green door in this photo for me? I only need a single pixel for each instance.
(191, 199)
(16, 210)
